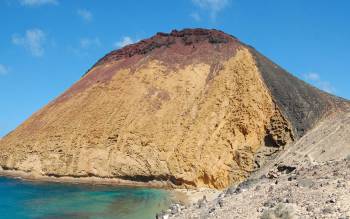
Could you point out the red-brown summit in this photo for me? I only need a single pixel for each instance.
(175, 50)
(186, 37)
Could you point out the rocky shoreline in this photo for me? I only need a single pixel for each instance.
(179, 197)
(300, 190)
(17, 174)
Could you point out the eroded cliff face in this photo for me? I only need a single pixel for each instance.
(195, 125)
(189, 107)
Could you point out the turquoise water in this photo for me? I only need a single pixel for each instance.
(23, 199)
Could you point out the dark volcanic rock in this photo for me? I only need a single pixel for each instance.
(301, 103)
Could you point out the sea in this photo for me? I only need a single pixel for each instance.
(28, 199)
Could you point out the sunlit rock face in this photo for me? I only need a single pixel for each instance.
(191, 107)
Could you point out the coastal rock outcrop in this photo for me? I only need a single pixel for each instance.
(190, 107)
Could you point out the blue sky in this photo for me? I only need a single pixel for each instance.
(47, 45)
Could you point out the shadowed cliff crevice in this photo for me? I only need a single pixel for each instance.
(161, 178)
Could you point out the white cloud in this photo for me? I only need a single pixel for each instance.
(85, 14)
(38, 2)
(124, 42)
(86, 43)
(3, 69)
(33, 41)
(316, 80)
(195, 16)
(212, 6)
(326, 86)
(312, 76)
(85, 46)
